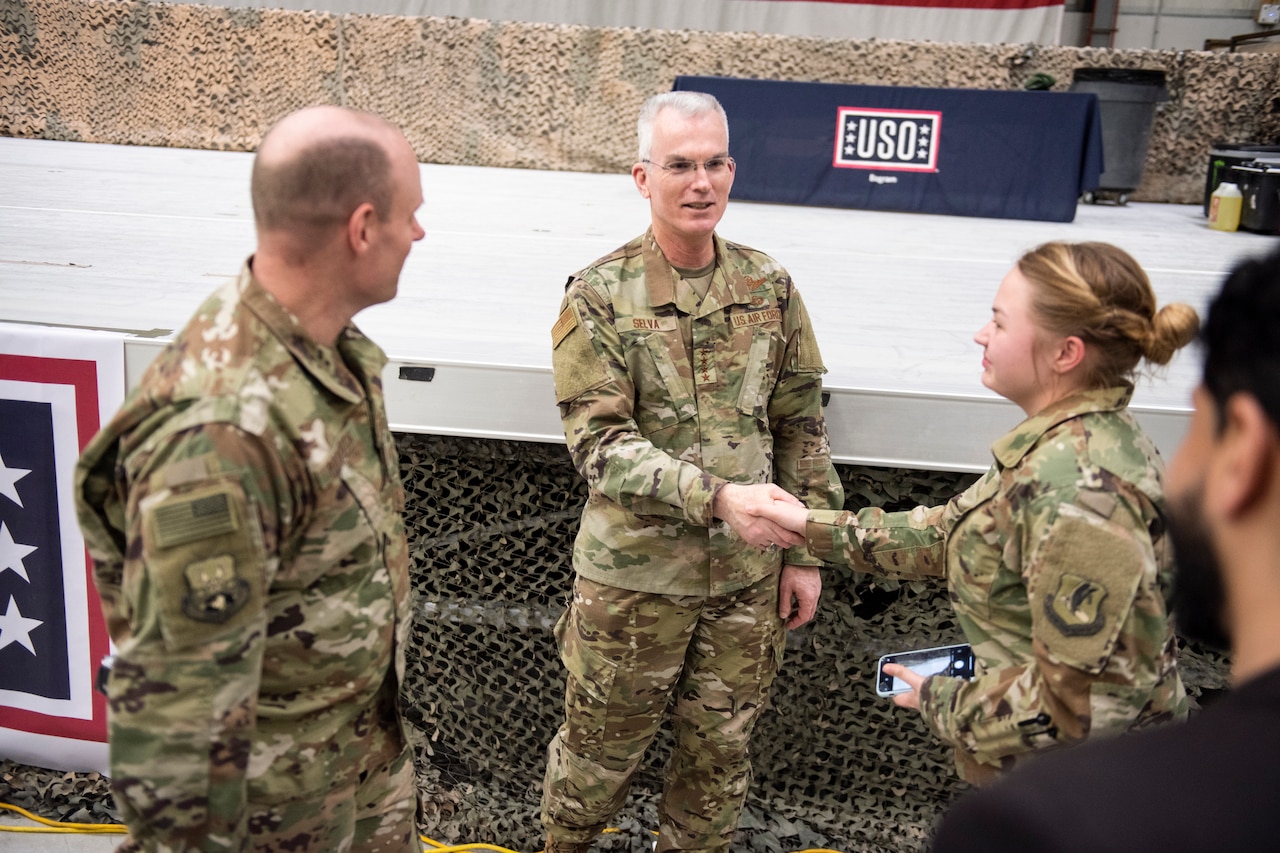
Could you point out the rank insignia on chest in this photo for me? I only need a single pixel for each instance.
(704, 365)
(214, 592)
(1075, 607)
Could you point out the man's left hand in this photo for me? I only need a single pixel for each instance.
(798, 592)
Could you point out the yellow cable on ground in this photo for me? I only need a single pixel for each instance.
(58, 826)
(55, 826)
(437, 847)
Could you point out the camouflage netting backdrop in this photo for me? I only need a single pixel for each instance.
(491, 526)
(523, 95)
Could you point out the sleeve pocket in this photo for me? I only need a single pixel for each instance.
(204, 557)
(1089, 570)
(575, 365)
(753, 399)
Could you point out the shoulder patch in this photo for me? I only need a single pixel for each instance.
(1075, 606)
(565, 323)
(214, 593)
(197, 516)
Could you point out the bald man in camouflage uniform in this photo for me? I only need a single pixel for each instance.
(689, 384)
(243, 512)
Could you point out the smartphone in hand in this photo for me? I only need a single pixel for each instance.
(955, 661)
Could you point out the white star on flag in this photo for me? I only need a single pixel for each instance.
(9, 476)
(11, 554)
(16, 628)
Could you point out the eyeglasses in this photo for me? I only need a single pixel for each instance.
(714, 167)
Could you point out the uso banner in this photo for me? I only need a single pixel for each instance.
(56, 387)
(959, 152)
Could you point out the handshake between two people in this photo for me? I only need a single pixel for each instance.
(767, 516)
(764, 514)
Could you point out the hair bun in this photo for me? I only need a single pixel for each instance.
(1174, 326)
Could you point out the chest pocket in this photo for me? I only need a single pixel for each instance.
(343, 533)
(759, 375)
(663, 397)
(979, 548)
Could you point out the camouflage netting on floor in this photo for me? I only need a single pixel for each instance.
(491, 527)
(524, 95)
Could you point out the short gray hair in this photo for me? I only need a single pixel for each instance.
(687, 104)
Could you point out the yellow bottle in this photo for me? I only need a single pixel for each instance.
(1224, 207)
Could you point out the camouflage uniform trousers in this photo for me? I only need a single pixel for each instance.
(377, 814)
(629, 654)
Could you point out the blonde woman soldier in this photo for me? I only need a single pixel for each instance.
(1057, 557)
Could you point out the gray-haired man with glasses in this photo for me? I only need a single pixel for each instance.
(689, 384)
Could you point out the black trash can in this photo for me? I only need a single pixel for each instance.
(1127, 99)
(1224, 156)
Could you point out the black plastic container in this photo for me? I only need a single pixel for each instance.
(1225, 155)
(1260, 190)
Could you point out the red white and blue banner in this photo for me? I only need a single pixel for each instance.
(968, 21)
(57, 387)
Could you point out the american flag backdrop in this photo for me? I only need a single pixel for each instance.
(56, 388)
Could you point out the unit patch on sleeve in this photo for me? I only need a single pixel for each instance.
(1075, 607)
(214, 593)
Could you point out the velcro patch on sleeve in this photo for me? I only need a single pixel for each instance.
(205, 563)
(1087, 575)
(576, 367)
(808, 356)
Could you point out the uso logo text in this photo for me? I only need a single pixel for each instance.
(887, 140)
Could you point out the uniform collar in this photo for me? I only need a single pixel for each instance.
(728, 286)
(343, 369)
(1016, 443)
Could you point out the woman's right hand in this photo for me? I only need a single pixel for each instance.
(789, 515)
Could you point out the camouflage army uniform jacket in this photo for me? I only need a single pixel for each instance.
(665, 398)
(1056, 560)
(243, 512)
